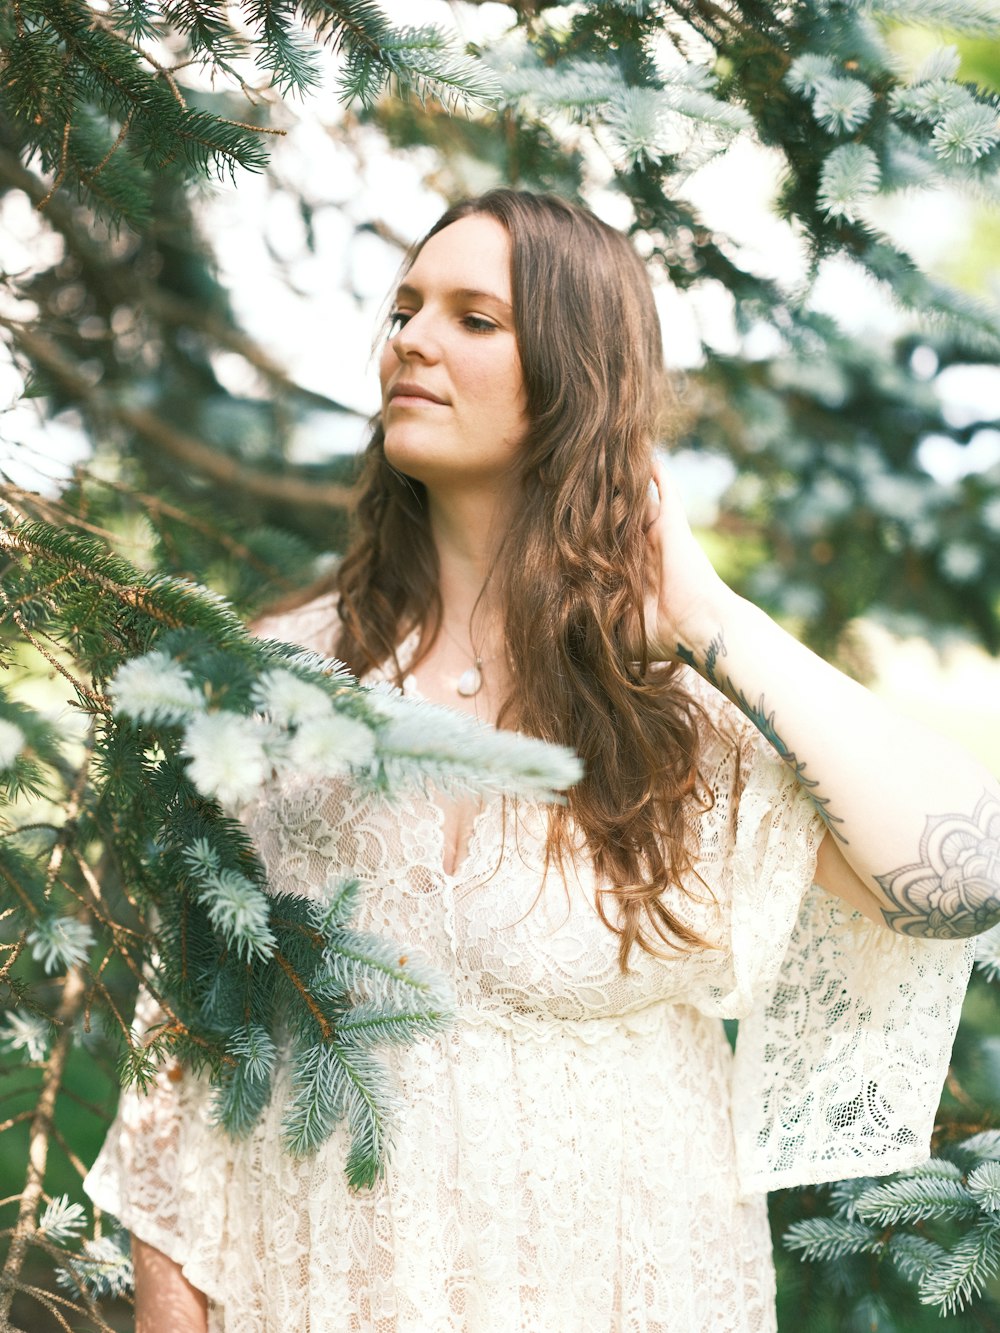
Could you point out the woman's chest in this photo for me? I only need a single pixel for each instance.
(467, 885)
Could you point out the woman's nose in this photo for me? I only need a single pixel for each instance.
(416, 338)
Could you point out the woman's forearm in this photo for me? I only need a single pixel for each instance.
(165, 1301)
(914, 816)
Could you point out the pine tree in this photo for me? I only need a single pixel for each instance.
(109, 121)
(145, 875)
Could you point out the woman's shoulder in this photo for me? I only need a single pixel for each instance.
(312, 624)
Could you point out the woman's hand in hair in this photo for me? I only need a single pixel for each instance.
(911, 819)
(683, 591)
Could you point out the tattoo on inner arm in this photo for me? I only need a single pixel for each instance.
(954, 890)
(763, 720)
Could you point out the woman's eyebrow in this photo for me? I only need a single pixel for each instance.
(461, 293)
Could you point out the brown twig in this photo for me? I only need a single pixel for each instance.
(119, 280)
(61, 173)
(25, 1228)
(958, 1092)
(126, 1032)
(256, 129)
(75, 1161)
(88, 176)
(68, 830)
(99, 1112)
(322, 1022)
(100, 700)
(155, 506)
(18, 1119)
(314, 937)
(50, 1300)
(99, 21)
(15, 953)
(5, 874)
(182, 448)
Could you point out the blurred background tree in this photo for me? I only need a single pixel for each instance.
(193, 396)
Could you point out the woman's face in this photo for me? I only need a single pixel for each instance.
(453, 408)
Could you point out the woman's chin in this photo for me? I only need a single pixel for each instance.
(413, 461)
(442, 470)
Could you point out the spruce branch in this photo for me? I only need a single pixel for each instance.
(951, 1281)
(967, 131)
(905, 1199)
(94, 69)
(832, 1238)
(850, 175)
(988, 953)
(913, 1255)
(315, 1012)
(842, 105)
(970, 16)
(26, 1225)
(368, 1024)
(368, 1116)
(943, 64)
(319, 1097)
(165, 71)
(984, 1145)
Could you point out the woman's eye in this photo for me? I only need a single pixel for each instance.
(474, 323)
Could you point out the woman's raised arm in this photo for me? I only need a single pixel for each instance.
(913, 820)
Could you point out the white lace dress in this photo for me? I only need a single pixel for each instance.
(579, 1152)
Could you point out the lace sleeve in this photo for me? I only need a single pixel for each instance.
(839, 1065)
(845, 1027)
(143, 1174)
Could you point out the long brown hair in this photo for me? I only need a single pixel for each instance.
(571, 568)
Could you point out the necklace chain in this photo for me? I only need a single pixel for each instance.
(470, 682)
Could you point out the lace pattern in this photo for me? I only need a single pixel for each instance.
(579, 1151)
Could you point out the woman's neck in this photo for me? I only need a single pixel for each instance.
(466, 531)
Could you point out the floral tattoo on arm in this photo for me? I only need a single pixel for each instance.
(954, 890)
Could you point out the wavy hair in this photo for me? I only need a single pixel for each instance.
(571, 568)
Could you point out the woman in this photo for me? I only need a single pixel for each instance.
(580, 1151)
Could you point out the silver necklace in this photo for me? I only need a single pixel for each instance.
(470, 682)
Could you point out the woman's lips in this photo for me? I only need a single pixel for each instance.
(413, 395)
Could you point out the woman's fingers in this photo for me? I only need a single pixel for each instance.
(652, 505)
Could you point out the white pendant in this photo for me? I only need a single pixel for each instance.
(470, 682)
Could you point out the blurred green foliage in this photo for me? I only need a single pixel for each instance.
(832, 514)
